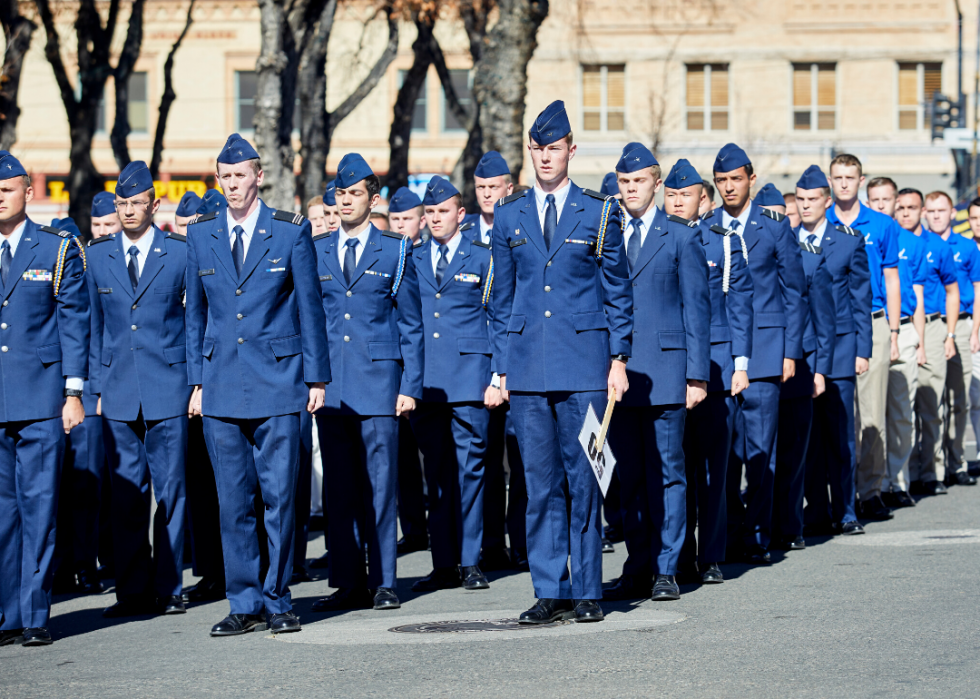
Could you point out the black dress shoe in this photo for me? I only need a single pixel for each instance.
(587, 610)
(874, 508)
(299, 576)
(712, 575)
(897, 499)
(237, 624)
(547, 610)
(973, 468)
(819, 529)
(851, 528)
(411, 545)
(438, 579)
(37, 637)
(11, 637)
(385, 598)
(614, 533)
(344, 599)
(628, 587)
(173, 605)
(756, 555)
(206, 590)
(519, 560)
(665, 588)
(134, 606)
(963, 478)
(935, 488)
(917, 488)
(321, 563)
(495, 558)
(473, 578)
(287, 622)
(87, 582)
(607, 546)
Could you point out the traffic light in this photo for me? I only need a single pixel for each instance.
(945, 113)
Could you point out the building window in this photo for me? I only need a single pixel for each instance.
(707, 97)
(461, 84)
(419, 122)
(917, 83)
(604, 98)
(139, 107)
(246, 85)
(814, 96)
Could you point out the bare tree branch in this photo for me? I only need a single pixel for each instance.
(17, 30)
(124, 68)
(167, 100)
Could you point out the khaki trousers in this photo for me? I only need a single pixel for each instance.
(926, 464)
(959, 372)
(869, 413)
(903, 379)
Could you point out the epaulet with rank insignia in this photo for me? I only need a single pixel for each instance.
(205, 217)
(848, 230)
(719, 229)
(774, 215)
(707, 215)
(466, 226)
(511, 197)
(177, 236)
(418, 244)
(681, 220)
(393, 234)
(321, 236)
(481, 244)
(96, 241)
(594, 194)
(810, 247)
(289, 216)
(57, 231)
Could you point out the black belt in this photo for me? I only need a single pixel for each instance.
(965, 316)
(905, 320)
(878, 314)
(933, 316)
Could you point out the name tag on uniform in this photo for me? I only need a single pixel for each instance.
(105, 291)
(276, 269)
(515, 243)
(579, 242)
(37, 275)
(205, 272)
(471, 278)
(326, 277)
(377, 274)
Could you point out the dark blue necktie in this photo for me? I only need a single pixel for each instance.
(812, 238)
(5, 259)
(633, 246)
(238, 251)
(550, 220)
(733, 226)
(350, 259)
(442, 263)
(134, 266)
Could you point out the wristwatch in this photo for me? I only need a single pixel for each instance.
(73, 393)
(621, 357)
(951, 336)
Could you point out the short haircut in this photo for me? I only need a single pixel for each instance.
(315, 201)
(938, 194)
(975, 202)
(27, 181)
(569, 139)
(521, 188)
(882, 182)
(789, 197)
(373, 185)
(747, 167)
(256, 165)
(910, 190)
(847, 160)
(708, 189)
(379, 215)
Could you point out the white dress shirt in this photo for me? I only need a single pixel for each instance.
(453, 245)
(143, 245)
(818, 231)
(726, 219)
(486, 230)
(248, 225)
(646, 220)
(362, 239)
(541, 200)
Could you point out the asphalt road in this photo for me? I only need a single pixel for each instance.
(894, 612)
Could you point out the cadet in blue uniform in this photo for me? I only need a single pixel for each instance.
(668, 371)
(44, 315)
(770, 198)
(708, 428)
(777, 275)
(561, 337)
(256, 355)
(455, 275)
(832, 458)
(610, 185)
(374, 321)
(795, 439)
(136, 288)
(186, 211)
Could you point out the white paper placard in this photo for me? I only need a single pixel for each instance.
(603, 462)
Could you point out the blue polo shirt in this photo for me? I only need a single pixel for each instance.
(881, 242)
(941, 272)
(912, 268)
(966, 259)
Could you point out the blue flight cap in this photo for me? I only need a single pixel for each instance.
(682, 175)
(237, 150)
(103, 204)
(10, 166)
(67, 224)
(610, 185)
(330, 194)
(730, 157)
(213, 201)
(405, 200)
(352, 169)
(812, 178)
(636, 156)
(492, 164)
(437, 191)
(551, 124)
(769, 196)
(188, 205)
(134, 179)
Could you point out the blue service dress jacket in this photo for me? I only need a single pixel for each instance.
(255, 341)
(374, 324)
(671, 314)
(457, 338)
(731, 309)
(820, 324)
(44, 321)
(559, 313)
(138, 355)
(778, 281)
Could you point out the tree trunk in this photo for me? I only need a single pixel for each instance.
(277, 188)
(500, 80)
(124, 68)
(168, 97)
(17, 30)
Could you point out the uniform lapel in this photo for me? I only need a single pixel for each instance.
(153, 264)
(118, 264)
(23, 257)
(530, 223)
(221, 243)
(259, 246)
(569, 219)
(654, 241)
(330, 258)
(369, 256)
(753, 227)
(462, 254)
(423, 263)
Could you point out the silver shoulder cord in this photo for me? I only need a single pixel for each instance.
(726, 275)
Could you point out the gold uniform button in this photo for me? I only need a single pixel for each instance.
(435, 335)
(438, 296)
(241, 340)
(238, 292)
(547, 288)
(346, 338)
(547, 314)
(347, 316)
(349, 294)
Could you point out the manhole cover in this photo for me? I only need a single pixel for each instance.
(471, 626)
